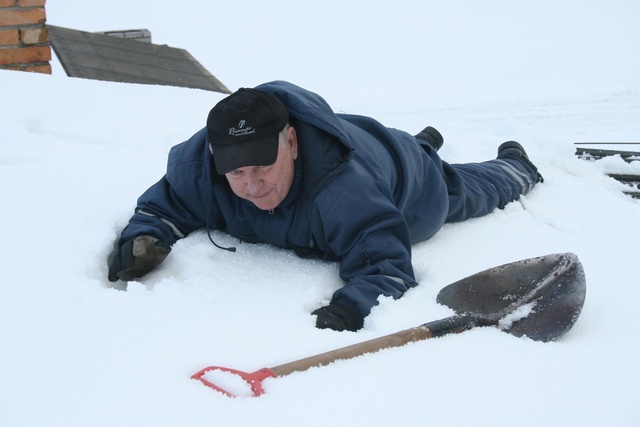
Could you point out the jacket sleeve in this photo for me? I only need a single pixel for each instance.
(177, 204)
(365, 229)
(160, 213)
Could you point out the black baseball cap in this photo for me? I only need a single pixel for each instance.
(243, 129)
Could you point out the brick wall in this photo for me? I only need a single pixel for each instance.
(24, 38)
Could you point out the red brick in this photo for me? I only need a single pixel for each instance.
(22, 16)
(7, 3)
(8, 37)
(44, 69)
(34, 35)
(29, 3)
(25, 55)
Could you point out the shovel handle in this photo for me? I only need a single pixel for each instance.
(438, 328)
(254, 379)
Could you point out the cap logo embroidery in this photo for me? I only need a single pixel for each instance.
(242, 129)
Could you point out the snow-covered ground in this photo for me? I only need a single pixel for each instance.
(75, 154)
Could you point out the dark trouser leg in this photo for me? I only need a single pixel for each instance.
(476, 189)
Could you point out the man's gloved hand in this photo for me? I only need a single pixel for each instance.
(338, 317)
(136, 257)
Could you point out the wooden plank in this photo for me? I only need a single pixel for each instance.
(597, 153)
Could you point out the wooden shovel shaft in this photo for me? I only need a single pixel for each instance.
(419, 333)
(397, 339)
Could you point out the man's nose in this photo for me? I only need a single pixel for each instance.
(254, 182)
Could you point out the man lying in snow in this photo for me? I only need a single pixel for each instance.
(275, 164)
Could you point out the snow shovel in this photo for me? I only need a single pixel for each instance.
(540, 298)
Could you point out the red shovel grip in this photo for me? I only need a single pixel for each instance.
(254, 379)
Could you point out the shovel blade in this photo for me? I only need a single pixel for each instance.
(540, 298)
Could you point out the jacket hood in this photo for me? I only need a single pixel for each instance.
(307, 107)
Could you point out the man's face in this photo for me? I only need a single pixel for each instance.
(267, 186)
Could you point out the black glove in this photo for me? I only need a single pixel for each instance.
(338, 317)
(136, 258)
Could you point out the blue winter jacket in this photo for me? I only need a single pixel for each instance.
(362, 195)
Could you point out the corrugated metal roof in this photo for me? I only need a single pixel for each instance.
(101, 57)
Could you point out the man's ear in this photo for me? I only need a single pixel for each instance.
(293, 141)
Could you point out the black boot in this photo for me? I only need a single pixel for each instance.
(432, 137)
(513, 149)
